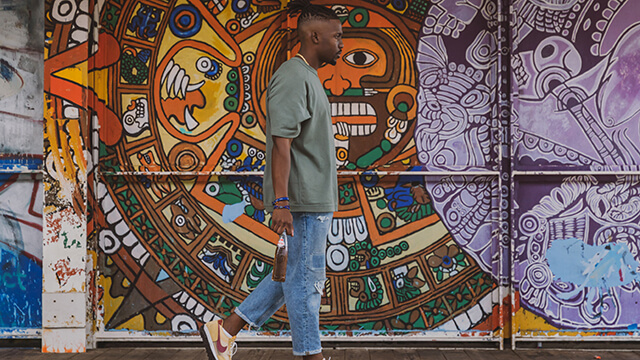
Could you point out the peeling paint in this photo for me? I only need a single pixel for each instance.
(10, 80)
(64, 271)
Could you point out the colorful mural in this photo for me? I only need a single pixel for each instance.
(178, 214)
(575, 92)
(20, 161)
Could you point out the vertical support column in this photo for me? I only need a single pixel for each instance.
(504, 114)
(64, 232)
(65, 200)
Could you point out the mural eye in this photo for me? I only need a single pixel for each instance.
(180, 220)
(209, 67)
(361, 58)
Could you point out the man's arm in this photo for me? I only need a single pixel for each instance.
(281, 219)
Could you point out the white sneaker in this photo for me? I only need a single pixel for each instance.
(219, 346)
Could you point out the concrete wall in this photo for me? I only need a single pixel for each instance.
(21, 84)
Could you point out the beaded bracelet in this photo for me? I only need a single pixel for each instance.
(285, 198)
(275, 207)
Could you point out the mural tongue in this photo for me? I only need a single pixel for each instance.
(182, 109)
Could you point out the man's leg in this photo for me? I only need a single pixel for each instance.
(305, 283)
(219, 335)
(257, 308)
(233, 324)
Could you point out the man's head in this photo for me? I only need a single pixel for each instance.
(319, 30)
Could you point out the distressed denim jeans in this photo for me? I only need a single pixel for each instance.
(302, 288)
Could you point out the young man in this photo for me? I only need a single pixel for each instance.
(300, 182)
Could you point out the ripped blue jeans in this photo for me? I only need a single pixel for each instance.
(302, 288)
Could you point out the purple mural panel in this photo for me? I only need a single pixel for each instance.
(575, 83)
(456, 61)
(457, 126)
(576, 86)
(576, 251)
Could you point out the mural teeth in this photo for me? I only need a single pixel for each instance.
(346, 109)
(177, 295)
(144, 259)
(208, 316)
(102, 192)
(462, 322)
(475, 314)
(114, 217)
(190, 122)
(370, 110)
(199, 310)
(194, 87)
(138, 251)
(191, 303)
(172, 78)
(107, 203)
(334, 109)
(355, 109)
(130, 239)
(121, 228)
(177, 85)
(166, 71)
(183, 86)
(184, 297)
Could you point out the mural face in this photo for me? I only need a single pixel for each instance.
(180, 245)
(576, 109)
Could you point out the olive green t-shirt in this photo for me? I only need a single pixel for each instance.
(298, 109)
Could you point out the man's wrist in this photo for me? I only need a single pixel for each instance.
(280, 201)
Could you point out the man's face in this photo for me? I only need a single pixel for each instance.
(330, 41)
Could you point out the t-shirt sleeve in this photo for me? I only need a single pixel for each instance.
(287, 105)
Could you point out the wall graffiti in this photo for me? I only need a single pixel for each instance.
(576, 108)
(20, 159)
(21, 251)
(182, 95)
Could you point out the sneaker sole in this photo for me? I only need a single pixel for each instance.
(206, 338)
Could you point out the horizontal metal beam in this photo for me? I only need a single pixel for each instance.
(261, 173)
(21, 171)
(574, 173)
(132, 336)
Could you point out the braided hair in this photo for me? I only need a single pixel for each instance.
(309, 11)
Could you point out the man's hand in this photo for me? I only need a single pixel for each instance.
(281, 221)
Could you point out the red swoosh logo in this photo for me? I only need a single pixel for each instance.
(221, 348)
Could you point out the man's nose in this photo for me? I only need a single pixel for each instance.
(336, 84)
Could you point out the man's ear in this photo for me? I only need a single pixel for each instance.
(314, 37)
